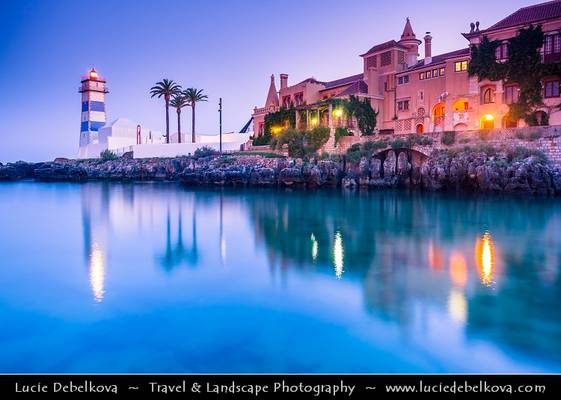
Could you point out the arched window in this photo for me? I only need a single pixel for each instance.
(461, 105)
(438, 113)
(420, 129)
(488, 95)
(421, 112)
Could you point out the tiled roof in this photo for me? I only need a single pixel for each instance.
(530, 14)
(311, 80)
(359, 87)
(384, 46)
(441, 58)
(343, 81)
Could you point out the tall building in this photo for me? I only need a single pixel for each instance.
(93, 89)
(429, 94)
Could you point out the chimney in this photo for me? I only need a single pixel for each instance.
(283, 81)
(428, 48)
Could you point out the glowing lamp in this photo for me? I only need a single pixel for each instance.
(276, 130)
(314, 121)
(338, 113)
(488, 117)
(93, 74)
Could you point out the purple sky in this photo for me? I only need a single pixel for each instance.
(228, 48)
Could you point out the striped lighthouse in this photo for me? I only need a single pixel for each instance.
(93, 91)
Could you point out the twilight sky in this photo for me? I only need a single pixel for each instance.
(228, 48)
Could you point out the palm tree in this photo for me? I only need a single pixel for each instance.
(166, 88)
(178, 102)
(193, 96)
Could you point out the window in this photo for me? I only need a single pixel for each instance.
(421, 76)
(299, 98)
(434, 73)
(442, 71)
(402, 80)
(286, 101)
(501, 52)
(551, 89)
(371, 62)
(511, 94)
(460, 66)
(403, 105)
(386, 58)
(552, 44)
(488, 95)
(401, 57)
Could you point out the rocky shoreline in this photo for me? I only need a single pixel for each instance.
(443, 170)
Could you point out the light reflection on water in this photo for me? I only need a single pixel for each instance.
(266, 281)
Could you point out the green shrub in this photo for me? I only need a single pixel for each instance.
(301, 143)
(340, 132)
(448, 138)
(316, 138)
(422, 140)
(520, 153)
(368, 148)
(262, 140)
(400, 143)
(534, 135)
(354, 153)
(205, 151)
(107, 155)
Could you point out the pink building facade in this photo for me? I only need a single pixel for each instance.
(429, 94)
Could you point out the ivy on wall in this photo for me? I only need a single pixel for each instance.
(360, 109)
(523, 67)
(281, 118)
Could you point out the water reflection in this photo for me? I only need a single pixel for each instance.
(394, 248)
(458, 269)
(338, 255)
(97, 272)
(484, 253)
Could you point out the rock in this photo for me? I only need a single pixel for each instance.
(290, 176)
(375, 168)
(389, 164)
(442, 170)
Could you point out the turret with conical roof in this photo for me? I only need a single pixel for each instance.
(409, 40)
(272, 96)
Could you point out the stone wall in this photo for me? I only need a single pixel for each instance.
(544, 138)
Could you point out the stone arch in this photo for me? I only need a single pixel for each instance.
(461, 127)
(438, 113)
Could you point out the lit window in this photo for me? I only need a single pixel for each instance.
(460, 66)
(421, 76)
(442, 70)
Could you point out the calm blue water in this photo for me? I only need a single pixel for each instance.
(156, 278)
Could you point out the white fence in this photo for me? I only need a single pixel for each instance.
(230, 143)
